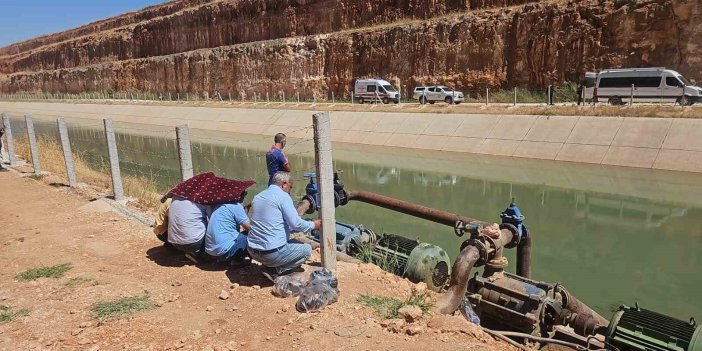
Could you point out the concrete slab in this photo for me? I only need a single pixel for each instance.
(476, 126)
(512, 127)
(431, 142)
(679, 160)
(353, 136)
(595, 130)
(401, 140)
(376, 138)
(338, 135)
(582, 153)
(364, 122)
(498, 147)
(684, 134)
(630, 156)
(444, 125)
(538, 149)
(461, 144)
(642, 132)
(552, 129)
(387, 124)
(413, 124)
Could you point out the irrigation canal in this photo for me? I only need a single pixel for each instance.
(610, 235)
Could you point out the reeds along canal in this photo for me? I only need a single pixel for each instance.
(612, 235)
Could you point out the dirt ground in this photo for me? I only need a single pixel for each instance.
(114, 256)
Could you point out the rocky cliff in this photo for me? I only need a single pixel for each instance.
(320, 46)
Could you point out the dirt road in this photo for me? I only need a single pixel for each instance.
(113, 256)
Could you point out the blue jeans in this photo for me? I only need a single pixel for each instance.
(287, 257)
(237, 251)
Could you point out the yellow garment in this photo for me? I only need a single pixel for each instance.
(161, 221)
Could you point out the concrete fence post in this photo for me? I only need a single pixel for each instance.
(10, 142)
(333, 100)
(487, 96)
(298, 97)
(352, 98)
(631, 97)
(230, 95)
(33, 144)
(67, 154)
(515, 97)
(267, 98)
(117, 189)
(283, 96)
(550, 95)
(325, 179)
(184, 152)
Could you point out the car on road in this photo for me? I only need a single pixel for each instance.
(436, 93)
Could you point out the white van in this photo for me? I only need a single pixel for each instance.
(588, 86)
(617, 86)
(375, 90)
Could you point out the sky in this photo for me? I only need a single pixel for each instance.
(26, 19)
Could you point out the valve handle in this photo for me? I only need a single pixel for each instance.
(458, 228)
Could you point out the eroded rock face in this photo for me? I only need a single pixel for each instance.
(533, 45)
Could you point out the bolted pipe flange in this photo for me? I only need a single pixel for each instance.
(482, 250)
(498, 263)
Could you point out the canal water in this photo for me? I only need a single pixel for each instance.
(610, 235)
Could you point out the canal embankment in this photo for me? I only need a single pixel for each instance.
(652, 142)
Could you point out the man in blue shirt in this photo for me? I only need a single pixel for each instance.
(225, 238)
(273, 218)
(276, 161)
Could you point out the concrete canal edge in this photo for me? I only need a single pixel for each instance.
(657, 143)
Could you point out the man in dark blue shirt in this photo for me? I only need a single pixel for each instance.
(276, 161)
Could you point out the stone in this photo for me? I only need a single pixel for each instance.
(176, 283)
(411, 314)
(416, 329)
(231, 307)
(394, 325)
(209, 308)
(85, 324)
(256, 287)
(84, 341)
(233, 285)
(172, 297)
(75, 332)
(223, 295)
(94, 348)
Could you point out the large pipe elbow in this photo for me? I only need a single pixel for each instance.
(448, 302)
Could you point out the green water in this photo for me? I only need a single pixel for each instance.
(610, 235)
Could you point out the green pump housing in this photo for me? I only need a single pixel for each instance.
(416, 261)
(634, 328)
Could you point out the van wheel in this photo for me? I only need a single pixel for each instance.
(386, 101)
(361, 101)
(431, 102)
(684, 101)
(448, 100)
(423, 100)
(616, 101)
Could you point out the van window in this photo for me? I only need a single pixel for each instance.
(432, 89)
(623, 82)
(370, 88)
(672, 82)
(389, 88)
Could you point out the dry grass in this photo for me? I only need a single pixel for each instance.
(142, 189)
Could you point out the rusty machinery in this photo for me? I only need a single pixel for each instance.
(515, 305)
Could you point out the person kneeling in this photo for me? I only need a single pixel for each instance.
(273, 218)
(225, 238)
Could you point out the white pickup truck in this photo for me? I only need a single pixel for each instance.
(437, 93)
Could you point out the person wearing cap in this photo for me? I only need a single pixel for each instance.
(226, 232)
(273, 218)
(276, 160)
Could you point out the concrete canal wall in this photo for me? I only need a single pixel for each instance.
(658, 143)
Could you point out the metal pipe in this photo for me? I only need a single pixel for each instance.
(524, 258)
(584, 320)
(303, 206)
(428, 213)
(460, 272)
